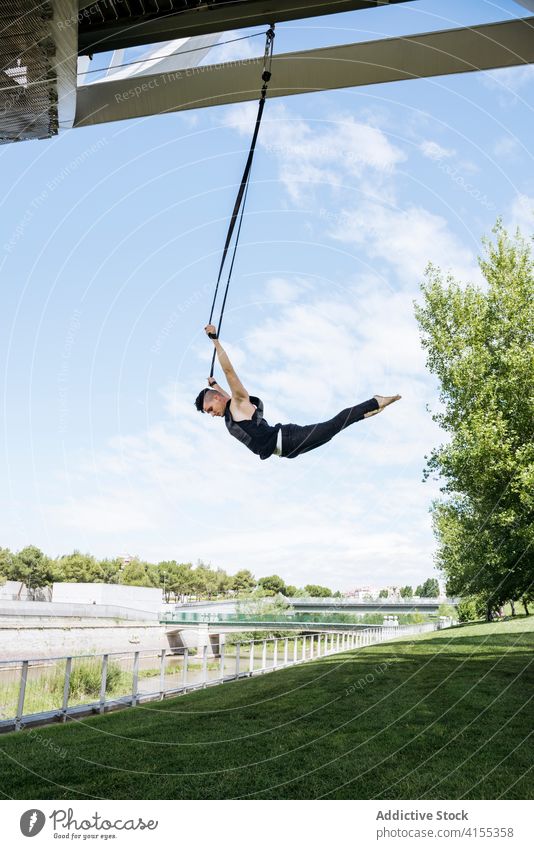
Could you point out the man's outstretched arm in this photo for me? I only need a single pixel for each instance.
(239, 393)
(218, 388)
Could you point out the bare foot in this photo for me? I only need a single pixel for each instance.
(383, 401)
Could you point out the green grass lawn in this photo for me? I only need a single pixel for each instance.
(439, 716)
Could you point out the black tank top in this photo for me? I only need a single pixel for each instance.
(259, 436)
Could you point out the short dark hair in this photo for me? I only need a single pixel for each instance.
(199, 401)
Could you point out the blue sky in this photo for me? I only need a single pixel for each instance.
(110, 240)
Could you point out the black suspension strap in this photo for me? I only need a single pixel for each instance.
(241, 199)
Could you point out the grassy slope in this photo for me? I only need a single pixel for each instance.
(445, 715)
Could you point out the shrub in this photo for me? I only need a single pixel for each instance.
(85, 680)
(467, 610)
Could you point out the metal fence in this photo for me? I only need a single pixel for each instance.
(249, 621)
(39, 691)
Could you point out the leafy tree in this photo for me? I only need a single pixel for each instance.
(6, 564)
(205, 580)
(296, 592)
(137, 574)
(223, 582)
(79, 568)
(182, 579)
(33, 568)
(383, 594)
(479, 345)
(110, 570)
(430, 588)
(338, 594)
(178, 578)
(261, 604)
(272, 585)
(527, 598)
(406, 592)
(164, 572)
(467, 610)
(317, 591)
(419, 591)
(447, 610)
(243, 582)
(200, 581)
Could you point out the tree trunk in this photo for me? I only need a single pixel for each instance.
(512, 605)
(525, 605)
(489, 612)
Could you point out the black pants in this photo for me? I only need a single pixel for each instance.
(297, 439)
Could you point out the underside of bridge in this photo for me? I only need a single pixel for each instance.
(46, 48)
(112, 24)
(38, 56)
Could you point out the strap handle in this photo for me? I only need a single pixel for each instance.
(241, 199)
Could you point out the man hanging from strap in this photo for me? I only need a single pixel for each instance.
(243, 415)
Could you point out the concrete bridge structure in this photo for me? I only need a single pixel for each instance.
(219, 610)
(196, 635)
(198, 624)
(47, 84)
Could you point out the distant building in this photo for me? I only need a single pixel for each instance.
(125, 559)
(148, 599)
(362, 593)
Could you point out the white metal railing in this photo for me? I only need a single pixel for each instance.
(392, 601)
(40, 690)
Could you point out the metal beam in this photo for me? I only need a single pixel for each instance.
(38, 58)
(95, 36)
(455, 51)
(174, 55)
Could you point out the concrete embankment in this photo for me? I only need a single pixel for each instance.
(35, 638)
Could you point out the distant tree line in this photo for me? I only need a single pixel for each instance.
(36, 570)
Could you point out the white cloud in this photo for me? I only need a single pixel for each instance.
(505, 146)
(342, 151)
(467, 166)
(117, 511)
(190, 119)
(280, 290)
(406, 239)
(433, 150)
(332, 151)
(509, 83)
(521, 214)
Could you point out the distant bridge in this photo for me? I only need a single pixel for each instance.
(205, 623)
(220, 611)
(195, 630)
